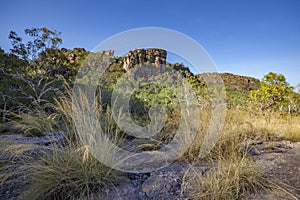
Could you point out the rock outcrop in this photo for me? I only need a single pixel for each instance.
(157, 57)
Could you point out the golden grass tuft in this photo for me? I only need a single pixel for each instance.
(35, 122)
(70, 173)
(233, 178)
(241, 127)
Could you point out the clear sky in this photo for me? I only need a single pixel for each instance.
(246, 37)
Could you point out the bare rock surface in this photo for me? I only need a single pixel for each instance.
(281, 161)
(164, 184)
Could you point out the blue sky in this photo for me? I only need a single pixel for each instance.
(246, 37)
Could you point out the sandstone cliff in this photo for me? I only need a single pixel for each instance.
(157, 57)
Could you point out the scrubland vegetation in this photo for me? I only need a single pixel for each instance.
(36, 89)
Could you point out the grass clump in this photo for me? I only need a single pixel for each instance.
(70, 173)
(233, 178)
(234, 174)
(35, 122)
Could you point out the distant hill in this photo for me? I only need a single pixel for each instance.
(237, 87)
(239, 83)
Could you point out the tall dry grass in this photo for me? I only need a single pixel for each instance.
(71, 171)
(230, 177)
(34, 122)
(234, 174)
(242, 126)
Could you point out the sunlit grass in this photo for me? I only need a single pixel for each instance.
(233, 177)
(70, 173)
(241, 127)
(233, 173)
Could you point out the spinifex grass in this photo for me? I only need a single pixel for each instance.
(35, 122)
(69, 173)
(233, 177)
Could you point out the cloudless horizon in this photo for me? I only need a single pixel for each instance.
(245, 37)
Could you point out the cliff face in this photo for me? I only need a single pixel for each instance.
(141, 56)
(158, 57)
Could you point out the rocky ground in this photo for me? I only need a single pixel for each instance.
(15, 151)
(280, 160)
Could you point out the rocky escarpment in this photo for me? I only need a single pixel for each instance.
(157, 57)
(154, 57)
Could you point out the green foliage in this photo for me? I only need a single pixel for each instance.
(11, 63)
(274, 79)
(237, 99)
(41, 53)
(298, 87)
(272, 94)
(72, 61)
(237, 88)
(150, 95)
(31, 73)
(42, 40)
